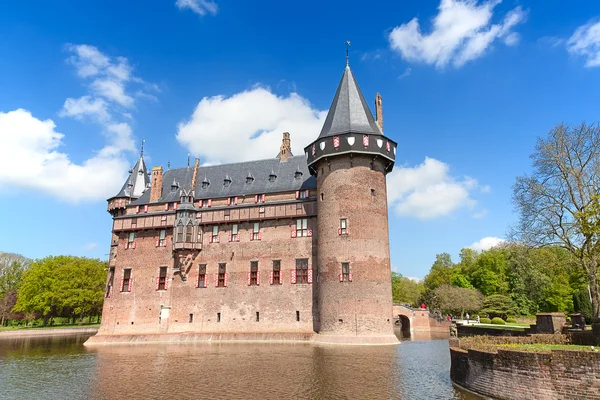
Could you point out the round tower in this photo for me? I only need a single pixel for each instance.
(350, 160)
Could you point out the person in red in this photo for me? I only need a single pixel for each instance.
(423, 306)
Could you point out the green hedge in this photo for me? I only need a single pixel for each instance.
(498, 321)
(485, 321)
(511, 320)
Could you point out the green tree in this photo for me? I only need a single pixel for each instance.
(405, 290)
(440, 273)
(498, 306)
(558, 203)
(582, 304)
(63, 283)
(457, 300)
(12, 267)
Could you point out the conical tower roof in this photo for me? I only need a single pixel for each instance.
(136, 182)
(349, 112)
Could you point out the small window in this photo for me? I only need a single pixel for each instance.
(372, 192)
(218, 317)
(133, 222)
(257, 316)
(199, 235)
(299, 206)
(215, 233)
(202, 276)
(301, 227)
(162, 278)
(234, 232)
(276, 272)
(304, 194)
(227, 213)
(345, 272)
(343, 226)
(163, 220)
(222, 272)
(232, 200)
(322, 196)
(256, 231)
(253, 273)
(126, 280)
(191, 318)
(131, 237)
(297, 315)
(302, 270)
(162, 237)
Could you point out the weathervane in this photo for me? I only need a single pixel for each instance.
(142, 152)
(347, 45)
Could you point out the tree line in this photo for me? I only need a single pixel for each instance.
(552, 261)
(57, 286)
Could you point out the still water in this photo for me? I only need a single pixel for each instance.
(62, 368)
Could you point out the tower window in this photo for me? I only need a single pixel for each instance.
(180, 233)
(214, 238)
(372, 192)
(343, 229)
(126, 285)
(133, 222)
(191, 318)
(234, 233)
(345, 277)
(322, 197)
(218, 317)
(297, 315)
(257, 316)
(111, 279)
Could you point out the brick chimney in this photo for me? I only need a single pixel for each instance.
(379, 111)
(195, 173)
(285, 151)
(156, 185)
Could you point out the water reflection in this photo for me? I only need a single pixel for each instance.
(61, 368)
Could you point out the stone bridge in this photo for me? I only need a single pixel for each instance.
(417, 320)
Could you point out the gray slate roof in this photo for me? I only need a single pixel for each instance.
(349, 112)
(260, 170)
(136, 182)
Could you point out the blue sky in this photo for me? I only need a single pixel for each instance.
(467, 87)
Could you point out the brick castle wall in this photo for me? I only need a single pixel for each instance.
(515, 375)
(138, 311)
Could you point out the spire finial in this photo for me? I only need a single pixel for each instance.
(142, 151)
(188, 159)
(347, 45)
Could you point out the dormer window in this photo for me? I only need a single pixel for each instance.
(227, 181)
(298, 174)
(205, 183)
(272, 176)
(174, 186)
(249, 178)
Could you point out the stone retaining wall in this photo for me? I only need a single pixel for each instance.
(48, 332)
(508, 374)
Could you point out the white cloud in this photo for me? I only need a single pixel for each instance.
(30, 159)
(406, 73)
(480, 214)
(462, 31)
(248, 125)
(200, 7)
(428, 191)
(85, 106)
(90, 246)
(585, 42)
(486, 243)
(112, 90)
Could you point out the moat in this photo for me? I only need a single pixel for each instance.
(62, 368)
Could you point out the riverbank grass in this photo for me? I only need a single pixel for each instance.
(56, 326)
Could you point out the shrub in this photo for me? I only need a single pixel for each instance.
(498, 321)
(485, 321)
(511, 320)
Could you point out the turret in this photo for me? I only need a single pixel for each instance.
(350, 160)
(135, 185)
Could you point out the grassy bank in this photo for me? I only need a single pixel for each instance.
(55, 326)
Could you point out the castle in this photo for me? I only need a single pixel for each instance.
(288, 248)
